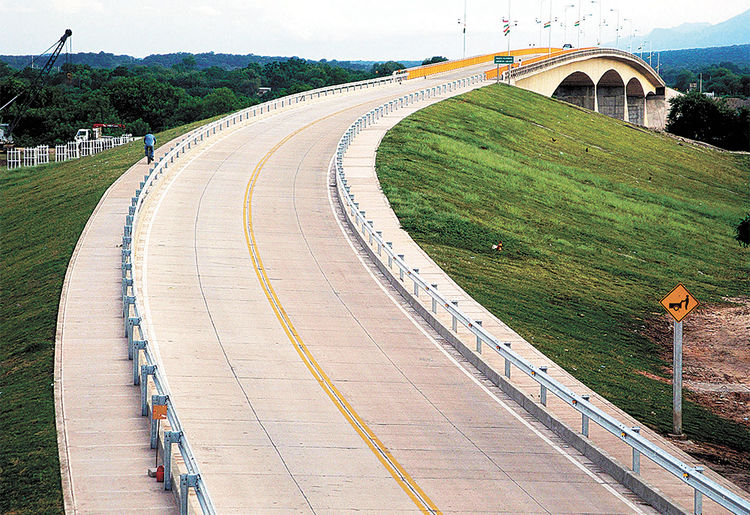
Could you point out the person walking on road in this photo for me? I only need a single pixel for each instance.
(148, 142)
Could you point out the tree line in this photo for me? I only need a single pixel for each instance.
(725, 79)
(154, 98)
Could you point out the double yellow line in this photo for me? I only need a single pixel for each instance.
(404, 480)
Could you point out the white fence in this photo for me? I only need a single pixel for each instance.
(19, 157)
(72, 150)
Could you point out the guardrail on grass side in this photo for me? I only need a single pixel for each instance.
(640, 445)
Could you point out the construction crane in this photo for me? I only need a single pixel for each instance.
(30, 94)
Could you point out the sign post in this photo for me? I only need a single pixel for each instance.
(504, 59)
(678, 303)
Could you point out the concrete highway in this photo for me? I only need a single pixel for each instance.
(302, 381)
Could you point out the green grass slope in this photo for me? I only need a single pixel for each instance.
(599, 220)
(42, 213)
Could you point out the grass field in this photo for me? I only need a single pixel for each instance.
(599, 221)
(42, 213)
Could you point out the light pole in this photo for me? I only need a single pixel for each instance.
(617, 28)
(506, 30)
(599, 40)
(548, 25)
(462, 21)
(629, 33)
(577, 25)
(540, 21)
(565, 22)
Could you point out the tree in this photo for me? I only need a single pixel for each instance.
(696, 116)
(435, 59)
(150, 99)
(387, 68)
(220, 101)
(684, 79)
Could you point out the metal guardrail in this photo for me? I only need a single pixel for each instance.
(146, 369)
(521, 71)
(691, 476)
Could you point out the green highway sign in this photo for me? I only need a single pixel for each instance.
(504, 59)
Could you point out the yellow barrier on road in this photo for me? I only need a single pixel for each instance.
(446, 66)
(492, 74)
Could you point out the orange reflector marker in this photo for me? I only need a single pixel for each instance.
(159, 412)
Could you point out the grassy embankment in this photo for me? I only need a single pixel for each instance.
(42, 213)
(599, 220)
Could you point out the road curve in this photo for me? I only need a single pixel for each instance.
(301, 381)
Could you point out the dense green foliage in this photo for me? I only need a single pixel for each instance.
(435, 59)
(598, 220)
(156, 98)
(699, 117)
(724, 79)
(202, 61)
(42, 213)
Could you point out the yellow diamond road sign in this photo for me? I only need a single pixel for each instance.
(679, 302)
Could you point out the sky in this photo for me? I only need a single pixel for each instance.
(332, 29)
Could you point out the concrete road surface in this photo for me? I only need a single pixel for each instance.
(302, 382)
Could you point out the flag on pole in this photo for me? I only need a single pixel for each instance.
(547, 24)
(506, 27)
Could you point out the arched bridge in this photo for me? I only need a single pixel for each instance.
(606, 80)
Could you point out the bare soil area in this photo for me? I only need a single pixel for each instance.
(716, 373)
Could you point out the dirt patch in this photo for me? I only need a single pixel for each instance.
(716, 374)
(733, 465)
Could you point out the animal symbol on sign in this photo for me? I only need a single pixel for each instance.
(678, 305)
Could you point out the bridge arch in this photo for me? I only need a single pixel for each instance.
(579, 89)
(612, 72)
(636, 99)
(610, 95)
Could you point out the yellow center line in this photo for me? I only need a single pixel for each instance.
(404, 480)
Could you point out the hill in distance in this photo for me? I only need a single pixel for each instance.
(734, 31)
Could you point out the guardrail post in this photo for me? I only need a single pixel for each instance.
(698, 496)
(186, 481)
(401, 270)
(434, 300)
(138, 345)
(370, 223)
(479, 340)
(636, 455)
(390, 259)
(542, 388)
(127, 300)
(585, 419)
(507, 362)
(156, 400)
(454, 320)
(380, 237)
(146, 370)
(170, 437)
(416, 285)
(132, 322)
